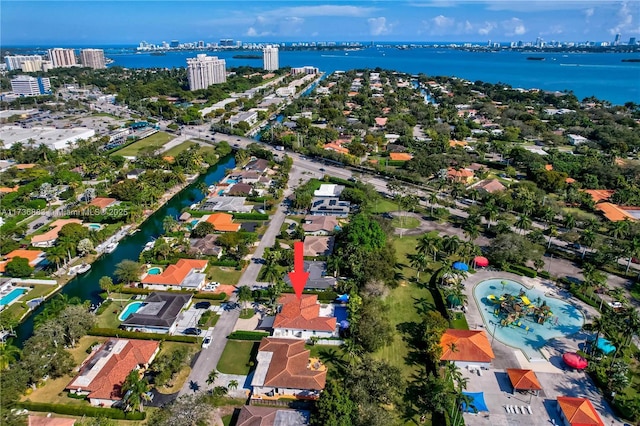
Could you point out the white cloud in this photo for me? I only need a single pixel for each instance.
(251, 32)
(443, 22)
(625, 21)
(589, 12)
(514, 26)
(487, 28)
(535, 5)
(379, 26)
(325, 10)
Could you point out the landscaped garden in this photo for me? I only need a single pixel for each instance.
(238, 357)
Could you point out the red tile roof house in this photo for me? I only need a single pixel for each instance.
(466, 348)
(300, 319)
(102, 374)
(186, 274)
(284, 369)
(320, 225)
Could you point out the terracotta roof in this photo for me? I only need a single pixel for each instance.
(50, 421)
(252, 415)
(104, 372)
(523, 379)
(168, 158)
(464, 173)
(6, 190)
(453, 143)
(579, 411)
(31, 255)
(25, 166)
(570, 180)
(303, 314)
(319, 223)
(400, 156)
(223, 222)
(381, 121)
(469, 345)
(175, 274)
(288, 366)
(548, 167)
(52, 234)
(102, 202)
(614, 212)
(599, 194)
(490, 186)
(318, 246)
(333, 146)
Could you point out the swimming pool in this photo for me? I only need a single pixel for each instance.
(131, 309)
(94, 226)
(13, 295)
(194, 222)
(526, 332)
(154, 271)
(232, 181)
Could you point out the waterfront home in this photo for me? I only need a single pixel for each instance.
(466, 348)
(320, 225)
(222, 222)
(260, 165)
(285, 370)
(328, 190)
(33, 256)
(240, 189)
(300, 319)
(226, 204)
(578, 412)
(185, 274)
(135, 173)
(205, 246)
(252, 415)
(330, 206)
(102, 203)
(318, 279)
(158, 314)
(103, 373)
(315, 246)
(48, 238)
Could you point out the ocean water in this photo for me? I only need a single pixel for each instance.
(602, 75)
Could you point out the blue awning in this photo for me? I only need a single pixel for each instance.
(477, 403)
(343, 298)
(604, 345)
(460, 266)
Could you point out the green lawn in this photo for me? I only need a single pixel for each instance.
(236, 357)
(459, 322)
(184, 146)
(328, 354)
(19, 307)
(224, 274)
(109, 318)
(405, 222)
(156, 140)
(383, 206)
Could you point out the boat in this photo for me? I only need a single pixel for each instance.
(111, 247)
(535, 58)
(149, 246)
(133, 231)
(83, 268)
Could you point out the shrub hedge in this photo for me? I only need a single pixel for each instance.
(210, 296)
(323, 296)
(231, 263)
(75, 410)
(522, 271)
(103, 307)
(248, 335)
(251, 216)
(116, 332)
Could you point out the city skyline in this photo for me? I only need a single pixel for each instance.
(382, 21)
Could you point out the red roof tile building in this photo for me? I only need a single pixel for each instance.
(300, 319)
(102, 374)
(578, 412)
(285, 369)
(187, 273)
(466, 347)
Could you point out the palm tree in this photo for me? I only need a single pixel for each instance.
(633, 249)
(433, 200)
(619, 229)
(569, 221)
(451, 244)
(490, 212)
(429, 244)
(553, 232)
(587, 238)
(471, 230)
(169, 224)
(418, 262)
(523, 222)
(233, 384)
(135, 390)
(212, 377)
(8, 354)
(56, 255)
(244, 296)
(548, 214)
(106, 284)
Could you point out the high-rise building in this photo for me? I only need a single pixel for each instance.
(93, 58)
(25, 85)
(616, 41)
(270, 58)
(32, 65)
(632, 41)
(203, 71)
(201, 44)
(226, 42)
(174, 43)
(62, 57)
(15, 62)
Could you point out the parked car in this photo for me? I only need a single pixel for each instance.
(202, 305)
(193, 331)
(615, 305)
(206, 342)
(322, 169)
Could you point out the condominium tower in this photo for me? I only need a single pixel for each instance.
(25, 85)
(270, 58)
(15, 62)
(62, 57)
(92, 58)
(203, 71)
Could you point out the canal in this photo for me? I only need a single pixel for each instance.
(86, 285)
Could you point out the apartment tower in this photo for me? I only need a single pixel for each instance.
(203, 71)
(93, 58)
(62, 58)
(25, 85)
(270, 58)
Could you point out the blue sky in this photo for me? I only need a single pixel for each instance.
(125, 22)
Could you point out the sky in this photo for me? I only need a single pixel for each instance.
(47, 23)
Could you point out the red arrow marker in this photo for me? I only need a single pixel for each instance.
(298, 277)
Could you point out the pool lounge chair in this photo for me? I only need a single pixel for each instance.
(529, 409)
(523, 409)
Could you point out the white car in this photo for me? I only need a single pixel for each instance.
(206, 342)
(615, 305)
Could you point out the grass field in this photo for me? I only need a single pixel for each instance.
(19, 308)
(184, 146)
(405, 222)
(236, 357)
(384, 206)
(224, 274)
(156, 140)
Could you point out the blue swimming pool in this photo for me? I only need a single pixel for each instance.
(13, 295)
(154, 271)
(131, 309)
(340, 312)
(94, 227)
(194, 222)
(232, 181)
(529, 319)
